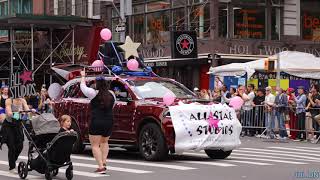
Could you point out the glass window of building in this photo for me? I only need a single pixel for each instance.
(115, 35)
(138, 28)
(96, 8)
(200, 20)
(82, 8)
(310, 17)
(179, 3)
(158, 27)
(4, 8)
(20, 6)
(138, 8)
(179, 19)
(275, 23)
(158, 5)
(223, 20)
(249, 22)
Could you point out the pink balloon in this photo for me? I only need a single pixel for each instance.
(97, 65)
(133, 65)
(168, 98)
(236, 102)
(106, 34)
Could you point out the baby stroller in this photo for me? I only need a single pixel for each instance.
(48, 150)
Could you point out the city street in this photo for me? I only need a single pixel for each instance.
(255, 159)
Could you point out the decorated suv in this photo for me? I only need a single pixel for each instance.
(143, 122)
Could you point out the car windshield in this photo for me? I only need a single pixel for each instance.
(158, 88)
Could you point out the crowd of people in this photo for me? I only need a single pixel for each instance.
(102, 103)
(297, 110)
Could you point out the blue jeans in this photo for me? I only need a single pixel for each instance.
(270, 123)
(282, 128)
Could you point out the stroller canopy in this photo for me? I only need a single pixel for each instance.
(45, 123)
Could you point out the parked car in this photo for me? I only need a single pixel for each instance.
(141, 121)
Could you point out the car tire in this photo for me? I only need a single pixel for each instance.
(78, 146)
(218, 154)
(152, 144)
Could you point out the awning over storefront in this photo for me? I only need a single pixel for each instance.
(40, 21)
(295, 63)
(169, 59)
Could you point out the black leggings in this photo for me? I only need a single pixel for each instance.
(301, 125)
(13, 137)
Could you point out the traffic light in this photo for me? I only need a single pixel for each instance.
(269, 65)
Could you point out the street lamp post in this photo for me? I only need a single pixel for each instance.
(278, 70)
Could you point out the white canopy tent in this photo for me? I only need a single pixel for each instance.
(295, 63)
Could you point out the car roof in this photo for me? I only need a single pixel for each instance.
(130, 78)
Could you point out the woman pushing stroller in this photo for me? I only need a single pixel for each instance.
(12, 133)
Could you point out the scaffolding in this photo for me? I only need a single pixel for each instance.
(32, 24)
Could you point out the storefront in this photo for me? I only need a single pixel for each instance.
(227, 30)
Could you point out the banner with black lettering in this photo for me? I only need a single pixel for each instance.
(199, 127)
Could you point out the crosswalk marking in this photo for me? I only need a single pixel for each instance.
(272, 157)
(296, 149)
(277, 151)
(8, 174)
(137, 171)
(303, 147)
(247, 162)
(276, 154)
(270, 160)
(210, 163)
(168, 166)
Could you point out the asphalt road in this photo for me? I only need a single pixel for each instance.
(256, 159)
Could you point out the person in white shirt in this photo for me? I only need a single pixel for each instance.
(248, 108)
(270, 116)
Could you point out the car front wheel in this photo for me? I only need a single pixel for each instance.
(217, 154)
(152, 144)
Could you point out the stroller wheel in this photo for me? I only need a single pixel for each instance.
(69, 173)
(55, 172)
(22, 170)
(48, 175)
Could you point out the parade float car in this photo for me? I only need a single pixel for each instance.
(142, 122)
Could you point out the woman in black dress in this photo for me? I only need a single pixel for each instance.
(101, 104)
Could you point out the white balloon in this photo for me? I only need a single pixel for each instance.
(54, 90)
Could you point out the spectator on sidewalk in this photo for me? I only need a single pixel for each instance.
(248, 109)
(269, 104)
(281, 103)
(292, 114)
(258, 109)
(313, 107)
(225, 95)
(301, 112)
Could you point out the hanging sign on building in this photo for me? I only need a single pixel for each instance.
(22, 85)
(184, 44)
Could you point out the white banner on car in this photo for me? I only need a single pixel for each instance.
(199, 127)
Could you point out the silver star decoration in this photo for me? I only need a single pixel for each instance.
(130, 48)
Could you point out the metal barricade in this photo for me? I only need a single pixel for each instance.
(297, 123)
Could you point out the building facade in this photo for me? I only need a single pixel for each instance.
(230, 30)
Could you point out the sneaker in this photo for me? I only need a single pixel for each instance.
(101, 171)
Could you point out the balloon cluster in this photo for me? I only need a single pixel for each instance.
(106, 35)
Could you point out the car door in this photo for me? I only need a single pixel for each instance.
(124, 114)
